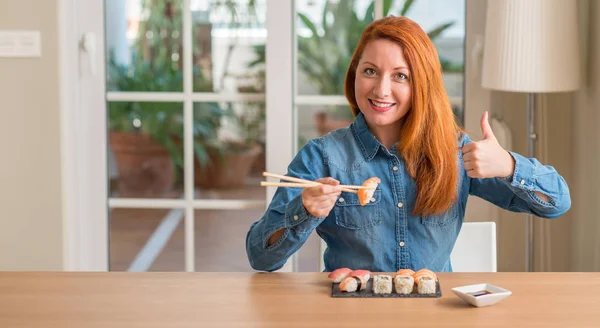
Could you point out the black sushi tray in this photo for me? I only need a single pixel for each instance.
(368, 292)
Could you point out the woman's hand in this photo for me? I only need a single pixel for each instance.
(486, 158)
(319, 200)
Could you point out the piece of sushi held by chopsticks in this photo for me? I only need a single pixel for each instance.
(382, 284)
(338, 275)
(365, 195)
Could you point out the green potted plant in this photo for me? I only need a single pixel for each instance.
(324, 57)
(230, 161)
(146, 137)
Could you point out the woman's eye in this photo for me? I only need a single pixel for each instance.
(401, 76)
(369, 71)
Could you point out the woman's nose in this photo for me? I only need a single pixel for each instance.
(382, 89)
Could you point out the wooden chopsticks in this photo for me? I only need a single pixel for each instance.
(301, 183)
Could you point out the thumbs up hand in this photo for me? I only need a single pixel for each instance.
(486, 158)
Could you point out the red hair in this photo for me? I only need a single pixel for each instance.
(428, 139)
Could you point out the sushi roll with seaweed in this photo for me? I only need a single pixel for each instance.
(338, 275)
(353, 284)
(426, 285)
(404, 284)
(382, 284)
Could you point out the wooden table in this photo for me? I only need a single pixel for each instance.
(284, 300)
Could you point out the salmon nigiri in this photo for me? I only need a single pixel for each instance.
(353, 284)
(405, 272)
(424, 272)
(365, 195)
(338, 275)
(364, 274)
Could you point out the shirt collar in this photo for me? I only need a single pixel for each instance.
(369, 145)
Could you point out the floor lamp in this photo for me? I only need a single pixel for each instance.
(532, 47)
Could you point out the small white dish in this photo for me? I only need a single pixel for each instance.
(481, 294)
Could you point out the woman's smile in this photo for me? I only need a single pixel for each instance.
(381, 106)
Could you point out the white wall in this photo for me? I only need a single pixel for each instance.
(30, 197)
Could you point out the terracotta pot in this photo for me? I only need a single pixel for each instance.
(324, 123)
(144, 166)
(260, 164)
(226, 170)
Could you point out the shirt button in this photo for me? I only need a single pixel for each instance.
(395, 168)
(295, 217)
(372, 200)
(400, 204)
(522, 182)
(401, 244)
(341, 200)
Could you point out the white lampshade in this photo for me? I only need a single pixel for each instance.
(531, 46)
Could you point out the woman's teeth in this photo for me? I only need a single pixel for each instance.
(383, 105)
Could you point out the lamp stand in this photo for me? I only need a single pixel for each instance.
(531, 139)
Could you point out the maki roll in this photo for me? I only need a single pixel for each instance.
(382, 284)
(404, 284)
(426, 285)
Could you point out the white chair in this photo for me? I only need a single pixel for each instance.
(474, 251)
(475, 248)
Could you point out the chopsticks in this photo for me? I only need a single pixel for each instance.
(301, 183)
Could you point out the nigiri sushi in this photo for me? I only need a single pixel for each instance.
(404, 284)
(365, 195)
(426, 285)
(382, 284)
(365, 274)
(422, 273)
(352, 284)
(407, 272)
(338, 275)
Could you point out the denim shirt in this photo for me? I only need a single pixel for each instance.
(384, 235)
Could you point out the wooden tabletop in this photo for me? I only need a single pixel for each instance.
(286, 300)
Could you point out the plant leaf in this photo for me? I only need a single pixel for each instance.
(438, 30)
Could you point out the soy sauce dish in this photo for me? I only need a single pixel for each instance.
(480, 295)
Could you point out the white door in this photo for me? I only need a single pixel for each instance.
(178, 125)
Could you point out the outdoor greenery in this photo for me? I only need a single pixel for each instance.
(325, 55)
(156, 66)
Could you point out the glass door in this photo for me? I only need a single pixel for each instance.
(186, 132)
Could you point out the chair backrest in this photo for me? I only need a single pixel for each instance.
(475, 248)
(474, 251)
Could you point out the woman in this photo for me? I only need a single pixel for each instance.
(405, 134)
